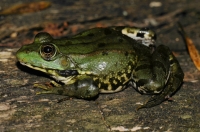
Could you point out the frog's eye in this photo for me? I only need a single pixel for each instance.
(48, 51)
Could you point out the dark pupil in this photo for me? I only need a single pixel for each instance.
(48, 49)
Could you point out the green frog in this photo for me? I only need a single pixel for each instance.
(104, 60)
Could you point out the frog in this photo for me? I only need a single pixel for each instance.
(104, 60)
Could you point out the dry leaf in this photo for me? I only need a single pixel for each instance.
(194, 53)
(26, 8)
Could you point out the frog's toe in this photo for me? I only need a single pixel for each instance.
(54, 83)
(37, 93)
(44, 92)
(46, 89)
(153, 101)
(41, 86)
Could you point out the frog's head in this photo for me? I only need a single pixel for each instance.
(43, 55)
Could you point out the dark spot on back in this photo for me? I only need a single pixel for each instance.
(96, 82)
(69, 42)
(101, 45)
(114, 86)
(104, 77)
(104, 86)
(80, 34)
(122, 79)
(119, 73)
(107, 31)
(132, 64)
(91, 34)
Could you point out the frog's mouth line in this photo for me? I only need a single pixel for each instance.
(34, 67)
(56, 74)
(64, 73)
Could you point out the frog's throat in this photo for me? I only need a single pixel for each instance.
(53, 73)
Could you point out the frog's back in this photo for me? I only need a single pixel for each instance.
(100, 39)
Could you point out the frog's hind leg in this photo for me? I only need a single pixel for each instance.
(173, 84)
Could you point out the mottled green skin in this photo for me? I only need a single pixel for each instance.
(103, 60)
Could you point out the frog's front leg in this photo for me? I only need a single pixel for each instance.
(81, 88)
(165, 75)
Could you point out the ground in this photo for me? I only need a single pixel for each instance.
(22, 110)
